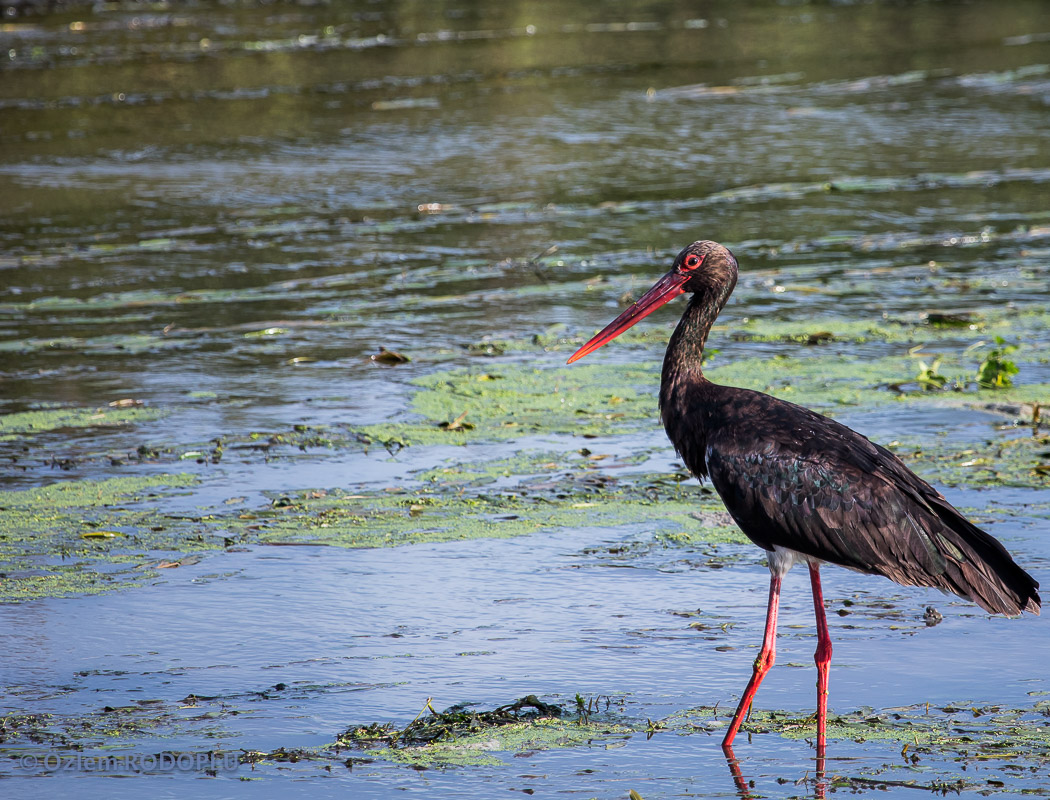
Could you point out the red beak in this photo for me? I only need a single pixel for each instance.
(667, 288)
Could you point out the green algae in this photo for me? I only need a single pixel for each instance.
(91, 536)
(458, 737)
(65, 580)
(951, 748)
(535, 491)
(798, 370)
(823, 383)
(515, 496)
(89, 494)
(51, 419)
(531, 465)
(529, 492)
(959, 731)
(909, 328)
(85, 537)
(110, 739)
(469, 509)
(603, 399)
(1015, 460)
(461, 736)
(518, 400)
(491, 747)
(114, 344)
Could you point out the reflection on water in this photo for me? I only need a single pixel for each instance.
(222, 211)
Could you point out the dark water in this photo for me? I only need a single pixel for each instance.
(366, 174)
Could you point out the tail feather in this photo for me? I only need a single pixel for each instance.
(989, 575)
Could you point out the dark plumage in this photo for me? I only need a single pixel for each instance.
(804, 487)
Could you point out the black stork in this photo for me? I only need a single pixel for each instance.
(804, 487)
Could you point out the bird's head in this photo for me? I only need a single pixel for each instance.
(704, 267)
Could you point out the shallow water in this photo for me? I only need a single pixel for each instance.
(221, 213)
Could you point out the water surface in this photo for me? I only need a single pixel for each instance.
(222, 212)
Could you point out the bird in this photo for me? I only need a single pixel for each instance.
(804, 487)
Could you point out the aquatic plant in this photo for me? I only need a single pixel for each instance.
(463, 736)
(929, 376)
(995, 371)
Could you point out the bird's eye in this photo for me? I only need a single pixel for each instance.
(692, 261)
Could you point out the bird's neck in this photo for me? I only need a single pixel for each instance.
(685, 394)
(683, 361)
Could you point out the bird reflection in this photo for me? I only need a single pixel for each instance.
(746, 788)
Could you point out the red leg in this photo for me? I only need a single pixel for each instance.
(823, 659)
(765, 660)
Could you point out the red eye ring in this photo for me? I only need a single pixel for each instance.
(692, 261)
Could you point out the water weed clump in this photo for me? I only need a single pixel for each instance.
(995, 370)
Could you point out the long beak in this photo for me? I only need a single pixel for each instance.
(667, 288)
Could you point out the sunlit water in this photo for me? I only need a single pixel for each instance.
(368, 175)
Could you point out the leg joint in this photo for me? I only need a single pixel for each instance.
(823, 654)
(764, 661)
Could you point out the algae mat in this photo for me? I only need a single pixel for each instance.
(88, 535)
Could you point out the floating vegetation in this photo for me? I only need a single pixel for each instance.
(110, 729)
(463, 736)
(85, 537)
(947, 748)
(451, 723)
(517, 401)
(959, 731)
(469, 497)
(108, 531)
(1008, 461)
(112, 344)
(461, 505)
(53, 419)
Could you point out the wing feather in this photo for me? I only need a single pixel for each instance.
(823, 490)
